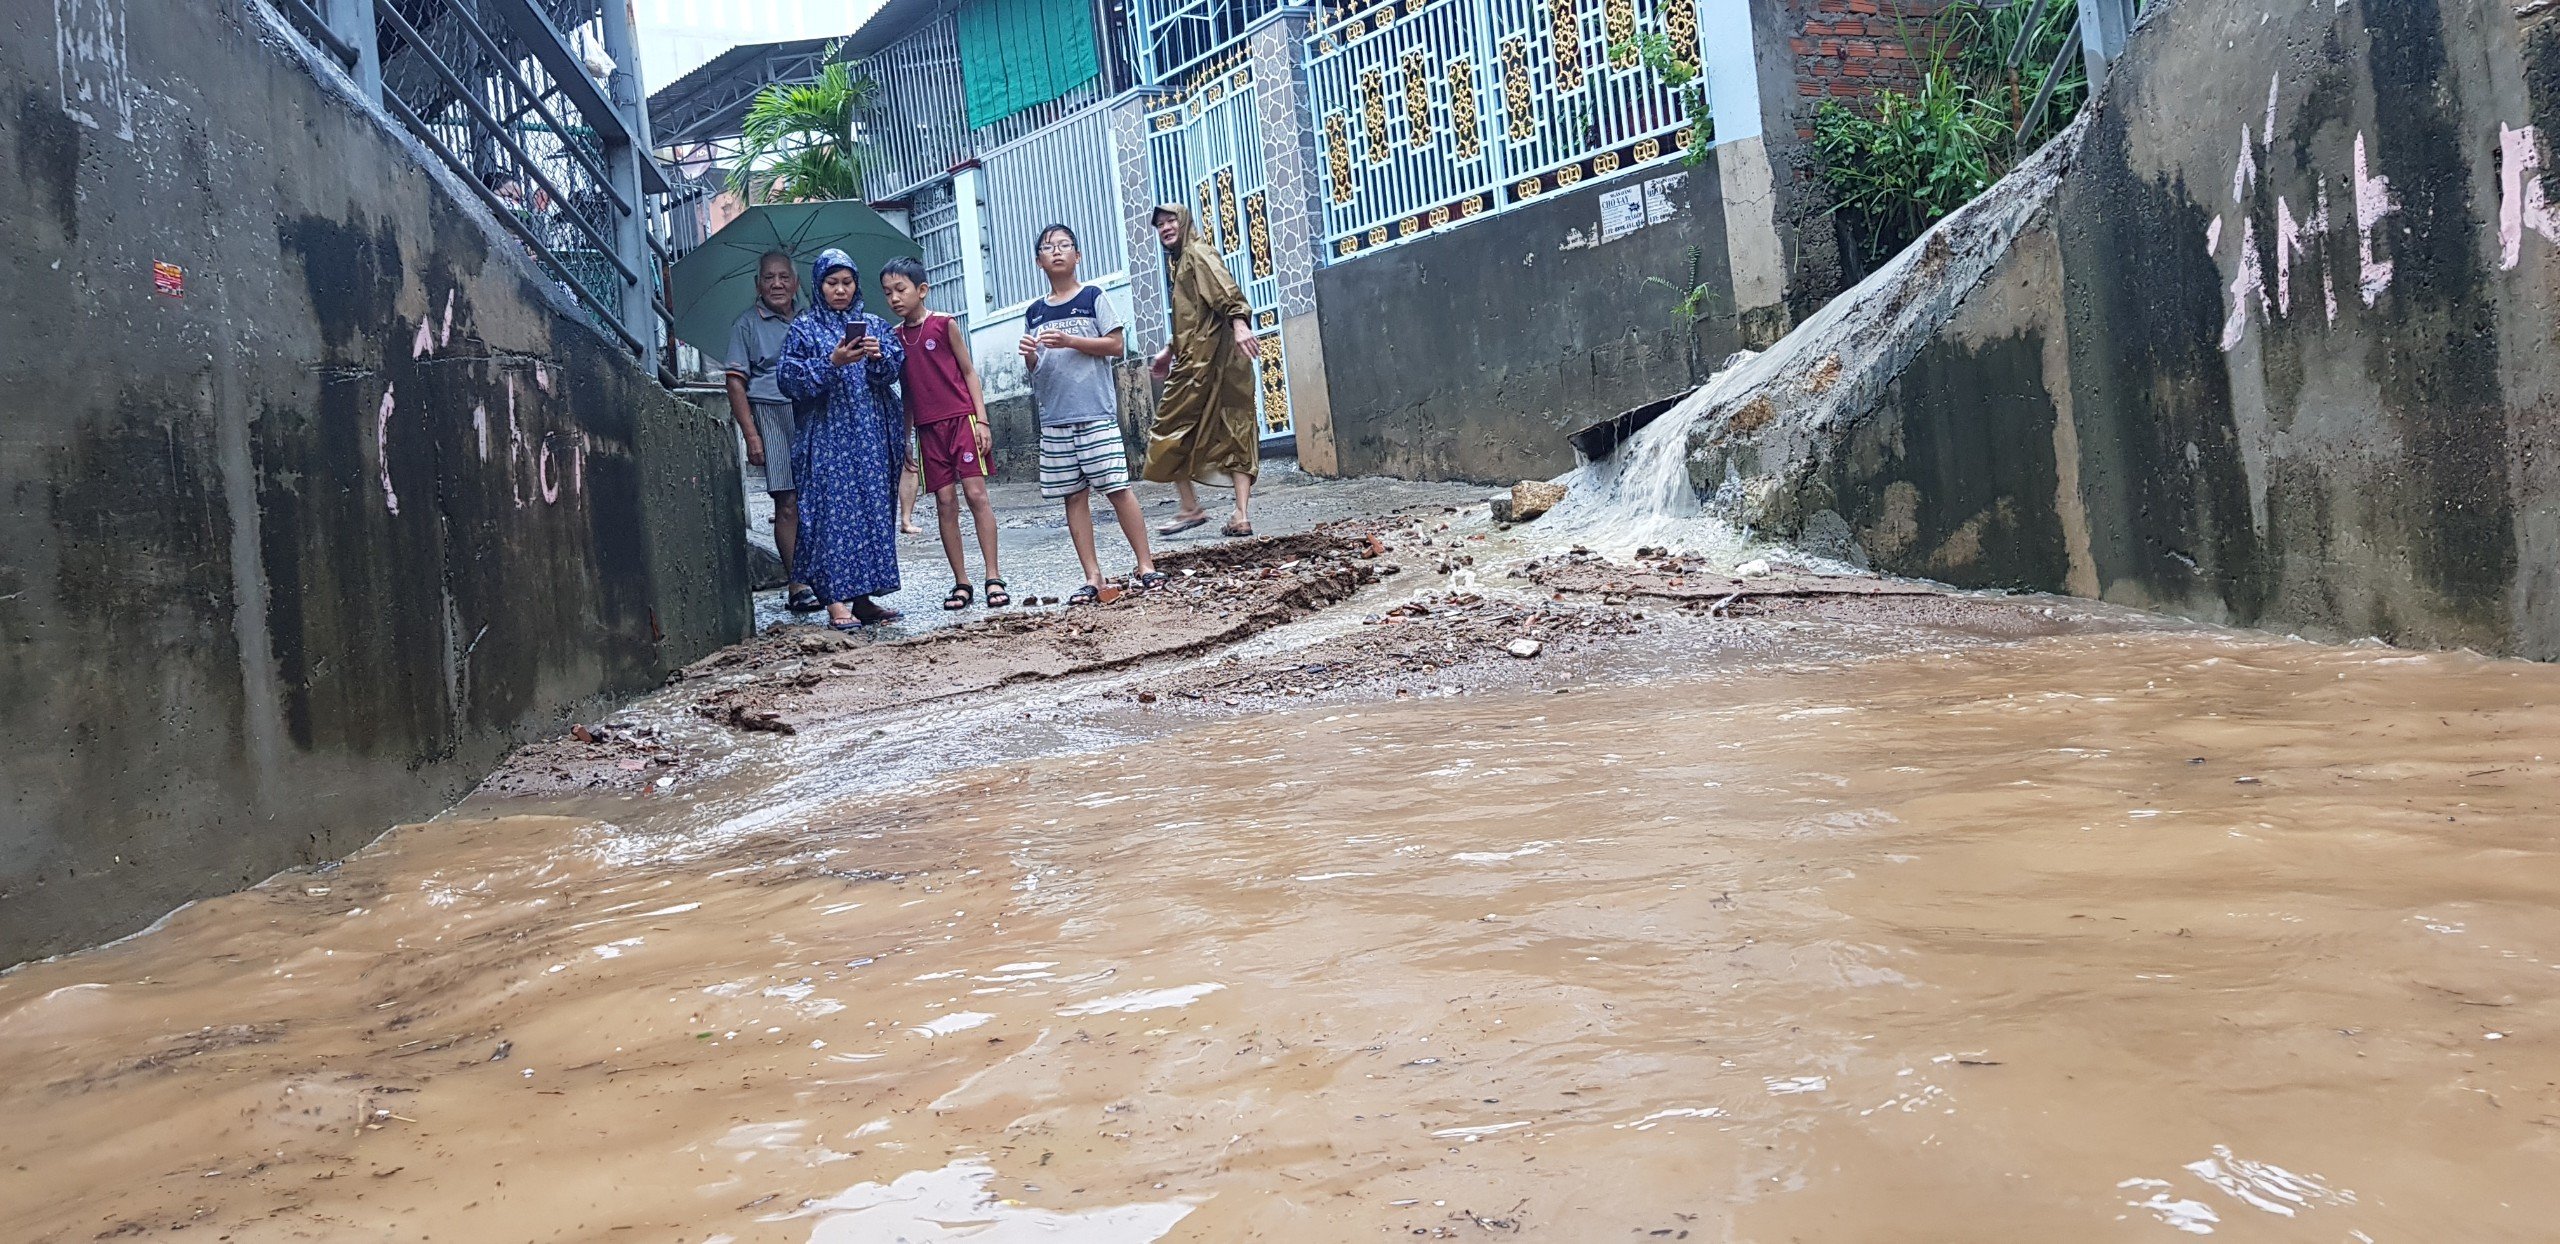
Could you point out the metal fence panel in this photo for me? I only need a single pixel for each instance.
(1429, 113)
(1065, 174)
(915, 131)
(464, 76)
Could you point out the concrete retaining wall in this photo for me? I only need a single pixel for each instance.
(1470, 354)
(306, 533)
(2276, 349)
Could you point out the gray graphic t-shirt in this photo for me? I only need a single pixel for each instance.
(1070, 386)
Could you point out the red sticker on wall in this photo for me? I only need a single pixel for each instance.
(169, 279)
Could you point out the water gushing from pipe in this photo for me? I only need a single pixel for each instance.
(1641, 496)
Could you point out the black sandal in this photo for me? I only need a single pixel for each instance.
(997, 596)
(803, 600)
(1086, 595)
(1151, 580)
(961, 596)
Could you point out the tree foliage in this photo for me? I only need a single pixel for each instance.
(800, 138)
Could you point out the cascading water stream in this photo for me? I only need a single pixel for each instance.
(1641, 496)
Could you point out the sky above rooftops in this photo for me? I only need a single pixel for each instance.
(678, 35)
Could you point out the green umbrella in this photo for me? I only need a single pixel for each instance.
(715, 284)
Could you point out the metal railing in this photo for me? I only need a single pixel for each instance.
(1174, 36)
(1064, 174)
(501, 92)
(1429, 112)
(918, 131)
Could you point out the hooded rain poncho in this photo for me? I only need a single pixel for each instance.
(1206, 429)
(849, 446)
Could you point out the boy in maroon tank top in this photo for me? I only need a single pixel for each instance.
(949, 410)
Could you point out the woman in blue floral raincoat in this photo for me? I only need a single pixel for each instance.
(851, 443)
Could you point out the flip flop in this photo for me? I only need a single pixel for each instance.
(848, 626)
(1237, 530)
(868, 610)
(1180, 525)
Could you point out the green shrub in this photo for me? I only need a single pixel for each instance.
(1918, 158)
(1985, 40)
(1894, 173)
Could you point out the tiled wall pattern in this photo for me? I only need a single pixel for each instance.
(1289, 161)
(1146, 257)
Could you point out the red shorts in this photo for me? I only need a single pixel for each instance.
(949, 451)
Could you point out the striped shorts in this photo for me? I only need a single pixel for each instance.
(1077, 456)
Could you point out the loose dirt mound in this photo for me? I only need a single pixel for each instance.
(1416, 646)
(793, 676)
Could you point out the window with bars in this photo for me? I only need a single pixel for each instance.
(936, 221)
(1176, 35)
(919, 131)
(1065, 174)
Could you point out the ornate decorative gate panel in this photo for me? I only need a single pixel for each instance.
(1428, 112)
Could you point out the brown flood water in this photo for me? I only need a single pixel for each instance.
(2090, 938)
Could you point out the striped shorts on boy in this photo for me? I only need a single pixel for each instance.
(1077, 456)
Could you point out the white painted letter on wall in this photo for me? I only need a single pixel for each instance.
(2373, 202)
(89, 49)
(2522, 203)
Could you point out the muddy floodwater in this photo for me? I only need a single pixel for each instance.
(2123, 936)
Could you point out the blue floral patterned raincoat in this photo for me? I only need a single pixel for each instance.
(851, 444)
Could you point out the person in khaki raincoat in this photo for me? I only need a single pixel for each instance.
(1206, 430)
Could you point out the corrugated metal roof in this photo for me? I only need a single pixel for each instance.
(708, 102)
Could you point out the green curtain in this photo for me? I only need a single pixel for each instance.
(1016, 54)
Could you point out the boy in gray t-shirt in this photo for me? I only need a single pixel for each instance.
(1070, 341)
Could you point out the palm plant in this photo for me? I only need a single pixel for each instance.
(800, 143)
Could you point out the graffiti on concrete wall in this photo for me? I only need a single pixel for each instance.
(546, 466)
(2522, 202)
(89, 51)
(2301, 239)
(2524, 206)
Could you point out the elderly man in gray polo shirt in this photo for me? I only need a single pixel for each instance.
(762, 412)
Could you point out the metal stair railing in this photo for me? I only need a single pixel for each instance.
(501, 95)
